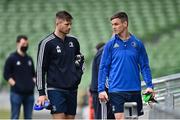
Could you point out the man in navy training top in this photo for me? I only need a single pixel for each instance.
(20, 74)
(123, 58)
(94, 85)
(59, 64)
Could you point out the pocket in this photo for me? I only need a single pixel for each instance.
(78, 75)
(13, 85)
(16, 88)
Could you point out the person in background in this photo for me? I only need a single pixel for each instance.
(20, 74)
(59, 65)
(94, 85)
(123, 58)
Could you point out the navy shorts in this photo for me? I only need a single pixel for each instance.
(117, 100)
(63, 101)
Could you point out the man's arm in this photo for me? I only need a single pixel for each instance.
(42, 65)
(145, 68)
(33, 71)
(104, 68)
(77, 53)
(104, 72)
(8, 71)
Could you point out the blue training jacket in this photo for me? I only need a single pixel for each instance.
(121, 63)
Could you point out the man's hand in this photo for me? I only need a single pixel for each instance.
(34, 79)
(150, 90)
(103, 97)
(11, 81)
(41, 100)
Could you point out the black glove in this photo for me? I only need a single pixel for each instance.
(79, 60)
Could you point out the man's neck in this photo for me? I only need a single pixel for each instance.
(20, 52)
(124, 35)
(60, 34)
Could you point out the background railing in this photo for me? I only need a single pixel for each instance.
(167, 90)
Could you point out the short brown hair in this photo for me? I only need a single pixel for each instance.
(121, 15)
(100, 45)
(64, 15)
(19, 37)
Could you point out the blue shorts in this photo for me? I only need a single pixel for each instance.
(117, 100)
(63, 101)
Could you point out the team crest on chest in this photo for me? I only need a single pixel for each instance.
(71, 44)
(134, 44)
(29, 63)
(18, 63)
(58, 49)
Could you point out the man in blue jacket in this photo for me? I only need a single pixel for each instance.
(123, 58)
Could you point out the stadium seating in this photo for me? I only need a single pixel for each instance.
(91, 24)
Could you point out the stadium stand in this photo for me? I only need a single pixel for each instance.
(156, 22)
(35, 18)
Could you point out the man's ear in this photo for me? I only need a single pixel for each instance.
(58, 21)
(125, 23)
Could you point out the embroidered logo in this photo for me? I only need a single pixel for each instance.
(113, 108)
(134, 44)
(54, 108)
(115, 45)
(58, 49)
(18, 63)
(29, 63)
(71, 44)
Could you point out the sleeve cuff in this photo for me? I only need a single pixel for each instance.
(7, 78)
(99, 91)
(42, 92)
(151, 86)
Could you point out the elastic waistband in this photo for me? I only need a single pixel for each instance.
(132, 92)
(62, 90)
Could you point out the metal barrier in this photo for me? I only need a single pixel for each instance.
(168, 96)
(103, 110)
(130, 110)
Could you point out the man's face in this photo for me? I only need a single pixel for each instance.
(22, 43)
(63, 26)
(118, 26)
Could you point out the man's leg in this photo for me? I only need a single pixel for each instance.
(71, 102)
(58, 116)
(58, 101)
(117, 101)
(110, 114)
(96, 106)
(16, 101)
(136, 97)
(119, 116)
(62, 116)
(28, 102)
(70, 116)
